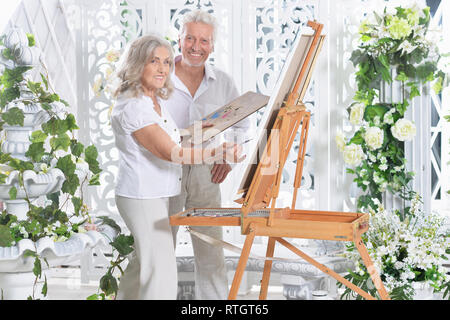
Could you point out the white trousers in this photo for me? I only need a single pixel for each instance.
(197, 191)
(152, 269)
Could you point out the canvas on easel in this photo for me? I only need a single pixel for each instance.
(286, 83)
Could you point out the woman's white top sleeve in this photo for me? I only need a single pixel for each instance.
(142, 175)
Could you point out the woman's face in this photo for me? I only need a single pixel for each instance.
(156, 70)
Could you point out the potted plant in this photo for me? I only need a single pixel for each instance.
(44, 170)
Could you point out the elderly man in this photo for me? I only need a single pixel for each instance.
(200, 89)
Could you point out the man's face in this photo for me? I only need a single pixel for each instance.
(197, 43)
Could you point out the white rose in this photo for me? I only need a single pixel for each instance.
(403, 130)
(353, 154)
(374, 137)
(357, 113)
(340, 141)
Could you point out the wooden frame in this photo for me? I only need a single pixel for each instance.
(276, 223)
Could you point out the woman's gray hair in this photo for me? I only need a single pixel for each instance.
(199, 16)
(139, 53)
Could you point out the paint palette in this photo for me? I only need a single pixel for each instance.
(225, 117)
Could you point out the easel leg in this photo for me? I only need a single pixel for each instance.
(325, 269)
(241, 266)
(371, 269)
(267, 268)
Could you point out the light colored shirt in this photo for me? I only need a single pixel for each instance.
(142, 175)
(216, 89)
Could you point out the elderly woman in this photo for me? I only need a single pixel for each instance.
(150, 167)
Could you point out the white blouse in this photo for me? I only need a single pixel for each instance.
(142, 175)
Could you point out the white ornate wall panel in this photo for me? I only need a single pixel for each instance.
(47, 20)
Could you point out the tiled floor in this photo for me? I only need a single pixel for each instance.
(65, 284)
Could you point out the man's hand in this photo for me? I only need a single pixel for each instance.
(219, 172)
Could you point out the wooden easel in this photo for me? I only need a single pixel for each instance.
(288, 222)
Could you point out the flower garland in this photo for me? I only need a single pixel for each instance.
(398, 39)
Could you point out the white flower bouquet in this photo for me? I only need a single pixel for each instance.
(405, 250)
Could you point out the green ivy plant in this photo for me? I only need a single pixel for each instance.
(122, 247)
(53, 145)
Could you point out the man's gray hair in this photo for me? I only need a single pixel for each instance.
(199, 16)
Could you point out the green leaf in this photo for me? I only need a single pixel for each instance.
(76, 148)
(44, 80)
(66, 165)
(8, 95)
(13, 116)
(384, 60)
(60, 142)
(8, 54)
(376, 110)
(95, 180)
(414, 91)
(5, 157)
(12, 193)
(71, 122)
(437, 86)
(21, 165)
(123, 244)
(35, 151)
(13, 76)
(6, 237)
(91, 154)
(357, 138)
(37, 269)
(110, 222)
(71, 184)
(3, 177)
(96, 296)
(77, 203)
(402, 77)
(108, 284)
(55, 127)
(54, 198)
(357, 57)
(31, 41)
(38, 136)
(45, 287)
(29, 253)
